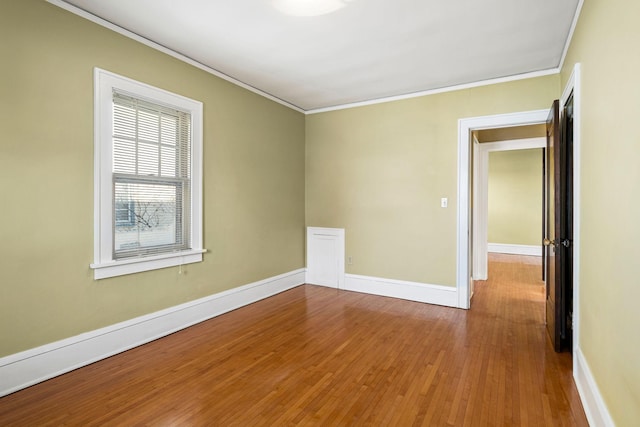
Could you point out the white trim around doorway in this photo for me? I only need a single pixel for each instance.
(573, 87)
(465, 128)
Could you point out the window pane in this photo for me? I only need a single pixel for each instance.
(124, 156)
(168, 166)
(124, 213)
(147, 218)
(148, 125)
(151, 156)
(147, 159)
(169, 129)
(124, 121)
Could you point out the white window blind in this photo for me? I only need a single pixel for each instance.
(151, 177)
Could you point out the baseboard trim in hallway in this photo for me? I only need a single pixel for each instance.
(504, 248)
(592, 401)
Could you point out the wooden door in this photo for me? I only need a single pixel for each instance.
(558, 228)
(543, 250)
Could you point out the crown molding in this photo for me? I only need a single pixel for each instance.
(574, 23)
(104, 23)
(120, 30)
(488, 82)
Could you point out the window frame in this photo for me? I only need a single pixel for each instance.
(105, 265)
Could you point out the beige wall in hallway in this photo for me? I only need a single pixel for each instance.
(606, 43)
(515, 197)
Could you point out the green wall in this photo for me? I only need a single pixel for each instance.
(379, 171)
(606, 44)
(515, 197)
(253, 180)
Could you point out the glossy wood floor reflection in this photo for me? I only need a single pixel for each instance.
(319, 356)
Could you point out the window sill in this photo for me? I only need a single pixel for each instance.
(136, 265)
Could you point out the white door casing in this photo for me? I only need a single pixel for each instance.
(573, 87)
(465, 128)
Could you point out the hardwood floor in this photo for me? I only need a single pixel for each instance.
(319, 356)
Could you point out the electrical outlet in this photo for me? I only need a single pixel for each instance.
(349, 260)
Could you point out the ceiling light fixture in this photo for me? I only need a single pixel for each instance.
(309, 7)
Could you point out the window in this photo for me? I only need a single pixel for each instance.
(124, 213)
(148, 173)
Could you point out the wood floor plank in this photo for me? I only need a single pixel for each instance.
(321, 356)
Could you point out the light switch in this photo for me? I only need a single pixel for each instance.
(443, 202)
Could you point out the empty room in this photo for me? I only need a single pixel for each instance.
(281, 212)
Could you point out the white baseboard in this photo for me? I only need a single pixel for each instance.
(413, 291)
(592, 402)
(503, 248)
(20, 370)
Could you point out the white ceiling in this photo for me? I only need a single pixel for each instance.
(364, 50)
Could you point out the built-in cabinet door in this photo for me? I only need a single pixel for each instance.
(325, 256)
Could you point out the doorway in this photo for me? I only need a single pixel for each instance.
(464, 255)
(465, 249)
(495, 143)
